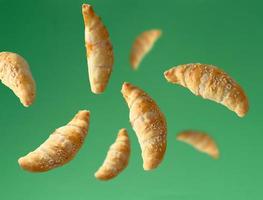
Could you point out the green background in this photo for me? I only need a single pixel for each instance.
(50, 35)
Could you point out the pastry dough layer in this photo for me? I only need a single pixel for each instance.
(142, 45)
(210, 83)
(99, 50)
(148, 123)
(61, 146)
(200, 141)
(117, 157)
(15, 74)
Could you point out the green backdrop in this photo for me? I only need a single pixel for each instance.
(49, 34)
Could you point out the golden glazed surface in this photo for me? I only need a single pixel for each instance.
(117, 158)
(99, 50)
(142, 45)
(200, 141)
(15, 74)
(149, 124)
(61, 146)
(210, 83)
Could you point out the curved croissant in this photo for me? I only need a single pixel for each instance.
(15, 74)
(60, 147)
(200, 141)
(117, 157)
(211, 83)
(99, 50)
(142, 45)
(149, 124)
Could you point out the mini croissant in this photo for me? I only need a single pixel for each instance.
(149, 124)
(211, 83)
(142, 45)
(60, 147)
(15, 74)
(200, 141)
(99, 50)
(117, 157)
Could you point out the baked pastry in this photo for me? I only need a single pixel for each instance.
(200, 141)
(99, 50)
(142, 45)
(210, 83)
(149, 124)
(15, 74)
(60, 147)
(117, 157)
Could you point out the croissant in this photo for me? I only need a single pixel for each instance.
(200, 141)
(211, 83)
(142, 45)
(117, 157)
(148, 123)
(15, 74)
(61, 146)
(99, 50)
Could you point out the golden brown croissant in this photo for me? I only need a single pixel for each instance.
(200, 141)
(99, 50)
(211, 83)
(142, 45)
(117, 157)
(15, 74)
(149, 124)
(60, 147)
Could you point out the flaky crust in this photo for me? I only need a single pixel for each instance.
(149, 124)
(142, 45)
(60, 147)
(15, 74)
(117, 157)
(200, 141)
(99, 50)
(210, 83)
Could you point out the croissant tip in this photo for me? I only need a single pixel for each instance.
(134, 66)
(27, 103)
(87, 9)
(241, 115)
(158, 32)
(100, 177)
(125, 86)
(85, 111)
(96, 175)
(83, 114)
(148, 166)
(122, 132)
(166, 73)
(98, 88)
(21, 163)
(96, 92)
(86, 6)
(215, 155)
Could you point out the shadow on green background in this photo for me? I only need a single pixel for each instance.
(50, 35)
